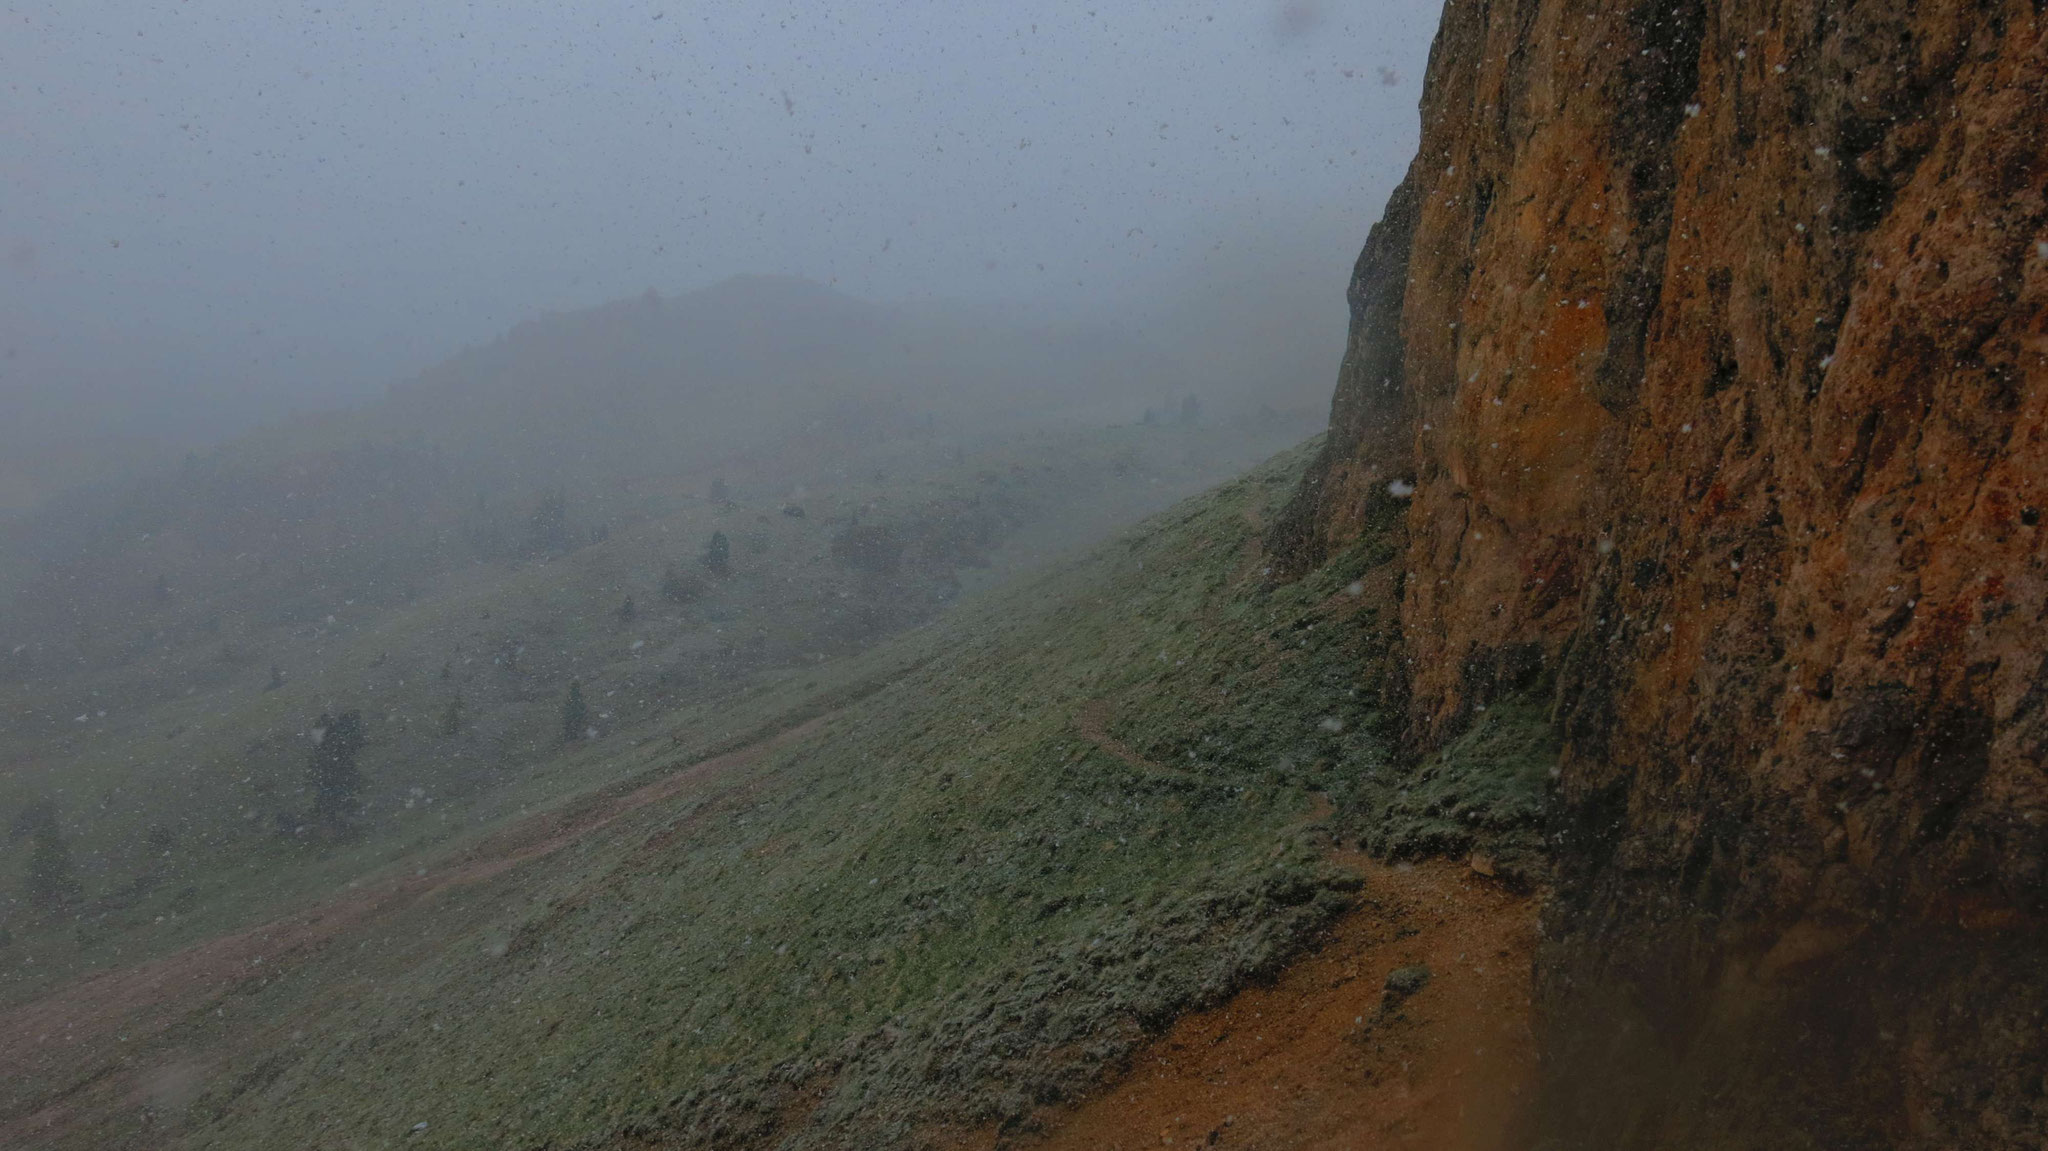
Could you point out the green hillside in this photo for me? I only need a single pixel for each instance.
(1006, 848)
(177, 775)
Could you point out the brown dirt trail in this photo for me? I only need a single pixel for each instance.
(94, 1023)
(1327, 1059)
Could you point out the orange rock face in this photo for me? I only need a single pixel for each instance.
(1713, 337)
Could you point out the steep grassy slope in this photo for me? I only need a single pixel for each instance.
(1009, 847)
(170, 775)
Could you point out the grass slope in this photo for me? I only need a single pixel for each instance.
(1019, 841)
(168, 773)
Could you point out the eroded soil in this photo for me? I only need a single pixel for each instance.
(1329, 1056)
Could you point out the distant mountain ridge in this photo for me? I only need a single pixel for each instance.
(651, 383)
(585, 416)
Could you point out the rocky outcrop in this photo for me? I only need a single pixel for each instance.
(1713, 338)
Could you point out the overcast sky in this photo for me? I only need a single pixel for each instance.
(310, 199)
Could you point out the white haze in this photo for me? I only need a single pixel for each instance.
(213, 214)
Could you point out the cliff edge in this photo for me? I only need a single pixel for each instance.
(1707, 341)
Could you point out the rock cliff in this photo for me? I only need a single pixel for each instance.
(1712, 336)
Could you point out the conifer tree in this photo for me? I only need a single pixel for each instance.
(575, 716)
(51, 887)
(547, 528)
(718, 555)
(331, 769)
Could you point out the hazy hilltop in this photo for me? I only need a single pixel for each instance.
(642, 384)
(535, 442)
(650, 384)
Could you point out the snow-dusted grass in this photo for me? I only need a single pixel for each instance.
(170, 799)
(1022, 839)
(950, 904)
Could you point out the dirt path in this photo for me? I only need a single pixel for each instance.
(1327, 1058)
(81, 1031)
(1322, 1059)
(1093, 720)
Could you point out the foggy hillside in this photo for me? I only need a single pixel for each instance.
(645, 384)
(541, 551)
(651, 384)
(618, 386)
(569, 424)
(831, 577)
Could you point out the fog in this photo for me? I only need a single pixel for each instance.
(214, 214)
(455, 456)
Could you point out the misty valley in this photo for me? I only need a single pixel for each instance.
(1310, 574)
(471, 593)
